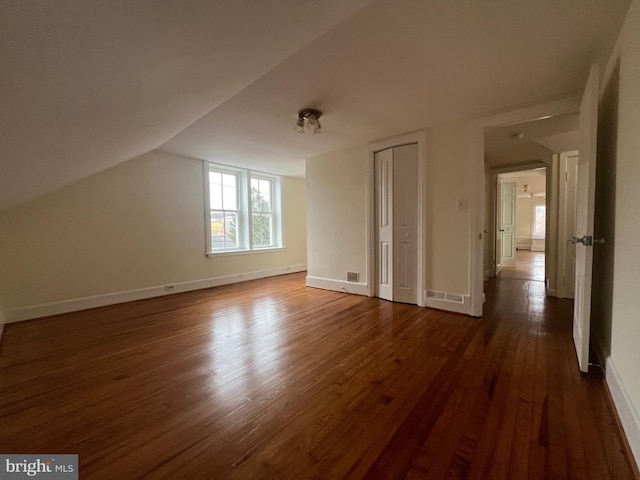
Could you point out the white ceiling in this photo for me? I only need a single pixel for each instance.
(541, 138)
(92, 84)
(535, 181)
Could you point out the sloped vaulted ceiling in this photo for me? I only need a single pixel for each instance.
(87, 84)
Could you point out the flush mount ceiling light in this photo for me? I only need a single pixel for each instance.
(309, 118)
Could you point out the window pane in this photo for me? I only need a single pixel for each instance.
(217, 223)
(262, 228)
(215, 177)
(228, 180)
(260, 195)
(265, 201)
(215, 196)
(230, 198)
(539, 225)
(224, 230)
(231, 230)
(255, 198)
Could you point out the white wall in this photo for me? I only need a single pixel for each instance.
(624, 360)
(337, 214)
(337, 206)
(135, 226)
(449, 155)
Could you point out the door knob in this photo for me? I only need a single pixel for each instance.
(586, 240)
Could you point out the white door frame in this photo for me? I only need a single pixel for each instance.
(476, 205)
(419, 137)
(493, 203)
(565, 289)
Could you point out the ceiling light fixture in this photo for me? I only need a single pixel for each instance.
(309, 118)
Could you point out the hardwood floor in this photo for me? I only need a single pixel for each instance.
(529, 266)
(270, 379)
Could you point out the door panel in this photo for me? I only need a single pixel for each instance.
(498, 222)
(585, 200)
(405, 224)
(508, 224)
(383, 164)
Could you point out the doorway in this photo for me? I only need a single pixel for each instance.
(521, 221)
(511, 148)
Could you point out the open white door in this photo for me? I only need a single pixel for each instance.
(498, 234)
(507, 224)
(405, 223)
(567, 224)
(585, 205)
(384, 222)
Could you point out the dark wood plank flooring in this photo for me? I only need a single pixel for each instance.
(271, 379)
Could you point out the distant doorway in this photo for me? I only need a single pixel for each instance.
(521, 224)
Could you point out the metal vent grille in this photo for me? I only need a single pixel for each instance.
(353, 276)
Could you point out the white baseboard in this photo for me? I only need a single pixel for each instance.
(537, 249)
(448, 306)
(357, 288)
(626, 410)
(362, 289)
(72, 305)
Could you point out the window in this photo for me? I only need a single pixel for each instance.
(262, 214)
(224, 210)
(538, 228)
(243, 210)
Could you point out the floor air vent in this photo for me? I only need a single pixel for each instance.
(454, 297)
(353, 276)
(447, 297)
(435, 294)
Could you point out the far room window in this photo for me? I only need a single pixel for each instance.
(539, 221)
(243, 210)
(224, 209)
(262, 214)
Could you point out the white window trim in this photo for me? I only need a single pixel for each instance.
(245, 214)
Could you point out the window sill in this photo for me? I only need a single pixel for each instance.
(231, 253)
